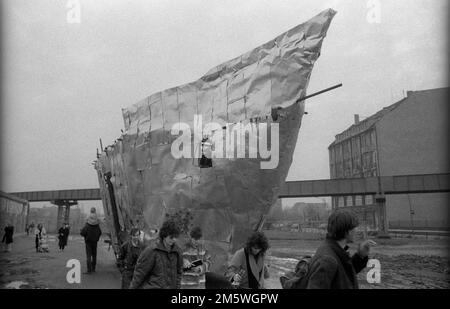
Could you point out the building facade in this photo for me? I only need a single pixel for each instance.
(409, 137)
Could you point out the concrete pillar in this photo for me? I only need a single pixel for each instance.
(28, 214)
(381, 209)
(63, 211)
(67, 214)
(60, 218)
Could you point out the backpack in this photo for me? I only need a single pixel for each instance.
(298, 278)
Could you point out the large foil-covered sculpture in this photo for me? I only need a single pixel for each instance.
(141, 179)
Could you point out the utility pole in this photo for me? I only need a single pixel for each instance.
(411, 214)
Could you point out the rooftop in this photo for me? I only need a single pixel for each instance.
(368, 123)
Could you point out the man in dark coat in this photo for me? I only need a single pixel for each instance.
(91, 233)
(160, 267)
(128, 256)
(8, 237)
(332, 267)
(63, 235)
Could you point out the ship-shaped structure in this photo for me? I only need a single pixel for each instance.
(141, 180)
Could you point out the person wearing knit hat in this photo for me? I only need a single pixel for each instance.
(91, 233)
(92, 219)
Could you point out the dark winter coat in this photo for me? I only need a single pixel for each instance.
(8, 236)
(128, 255)
(333, 268)
(91, 232)
(63, 235)
(158, 268)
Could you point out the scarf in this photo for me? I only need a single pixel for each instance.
(256, 268)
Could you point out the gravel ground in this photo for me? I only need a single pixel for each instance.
(405, 263)
(24, 268)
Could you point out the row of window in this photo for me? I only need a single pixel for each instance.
(340, 173)
(351, 167)
(352, 148)
(358, 200)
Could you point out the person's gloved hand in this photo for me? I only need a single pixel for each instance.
(364, 247)
(186, 264)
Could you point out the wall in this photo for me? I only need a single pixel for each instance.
(14, 213)
(413, 139)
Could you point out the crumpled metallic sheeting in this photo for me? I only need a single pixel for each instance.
(230, 199)
(248, 86)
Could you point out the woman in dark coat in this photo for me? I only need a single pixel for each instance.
(247, 269)
(8, 237)
(63, 235)
(38, 235)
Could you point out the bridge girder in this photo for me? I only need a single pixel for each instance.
(403, 184)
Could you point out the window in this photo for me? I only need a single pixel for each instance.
(367, 161)
(332, 171)
(339, 153)
(349, 201)
(347, 149)
(373, 138)
(356, 165)
(355, 147)
(339, 170)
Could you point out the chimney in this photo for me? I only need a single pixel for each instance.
(356, 118)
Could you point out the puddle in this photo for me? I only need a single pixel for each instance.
(281, 265)
(15, 284)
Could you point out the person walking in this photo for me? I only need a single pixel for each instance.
(31, 228)
(41, 239)
(43, 242)
(63, 235)
(247, 269)
(38, 236)
(331, 266)
(91, 233)
(128, 256)
(8, 237)
(160, 267)
(196, 261)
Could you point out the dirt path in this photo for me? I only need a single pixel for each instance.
(25, 268)
(408, 271)
(405, 263)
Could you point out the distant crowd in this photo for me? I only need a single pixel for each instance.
(166, 265)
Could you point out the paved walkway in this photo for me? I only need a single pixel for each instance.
(25, 268)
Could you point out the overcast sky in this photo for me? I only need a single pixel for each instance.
(64, 84)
